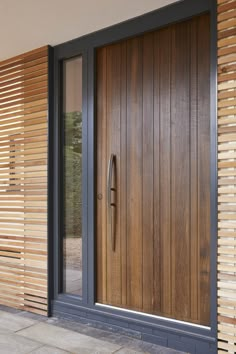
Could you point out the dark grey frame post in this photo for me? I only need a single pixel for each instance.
(159, 330)
(50, 205)
(91, 176)
(214, 166)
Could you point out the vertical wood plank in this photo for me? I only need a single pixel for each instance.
(148, 173)
(164, 41)
(113, 147)
(194, 220)
(123, 174)
(134, 172)
(156, 180)
(204, 215)
(180, 195)
(101, 243)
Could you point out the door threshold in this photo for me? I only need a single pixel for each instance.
(152, 316)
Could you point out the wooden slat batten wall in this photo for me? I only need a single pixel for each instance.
(227, 176)
(23, 181)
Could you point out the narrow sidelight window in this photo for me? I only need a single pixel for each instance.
(72, 170)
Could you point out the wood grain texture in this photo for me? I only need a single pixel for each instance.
(113, 81)
(23, 181)
(148, 172)
(226, 177)
(203, 173)
(101, 176)
(153, 113)
(180, 184)
(194, 242)
(134, 172)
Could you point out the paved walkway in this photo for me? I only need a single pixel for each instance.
(23, 333)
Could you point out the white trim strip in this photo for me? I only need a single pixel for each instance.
(152, 316)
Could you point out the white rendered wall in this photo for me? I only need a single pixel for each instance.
(29, 24)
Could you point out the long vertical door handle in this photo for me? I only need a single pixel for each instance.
(111, 204)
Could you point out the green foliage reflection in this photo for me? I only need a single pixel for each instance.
(73, 174)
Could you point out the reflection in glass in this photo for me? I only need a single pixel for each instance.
(72, 242)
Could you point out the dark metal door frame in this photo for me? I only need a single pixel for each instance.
(86, 46)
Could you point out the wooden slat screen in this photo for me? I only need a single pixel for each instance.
(23, 181)
(227, 176)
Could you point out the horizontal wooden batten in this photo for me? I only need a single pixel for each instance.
(27, 73)
(23, 181)
(11, 85)
(17, 111)
(22, 98)
(226, 176)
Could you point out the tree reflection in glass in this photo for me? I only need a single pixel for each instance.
(72, 252)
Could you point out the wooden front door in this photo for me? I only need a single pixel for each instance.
(153, 172)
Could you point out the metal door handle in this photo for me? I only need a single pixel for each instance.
(110, 205)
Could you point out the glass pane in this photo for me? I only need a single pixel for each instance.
(72, 243)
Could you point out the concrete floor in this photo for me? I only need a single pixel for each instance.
(22, 333)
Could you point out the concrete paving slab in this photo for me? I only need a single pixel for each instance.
(128, 351)
(14, 344)
(13, 322)
(45, 349)
(67, 340)
(24, 333)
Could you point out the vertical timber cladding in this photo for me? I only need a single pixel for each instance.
(227, 176)
(23, 181)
